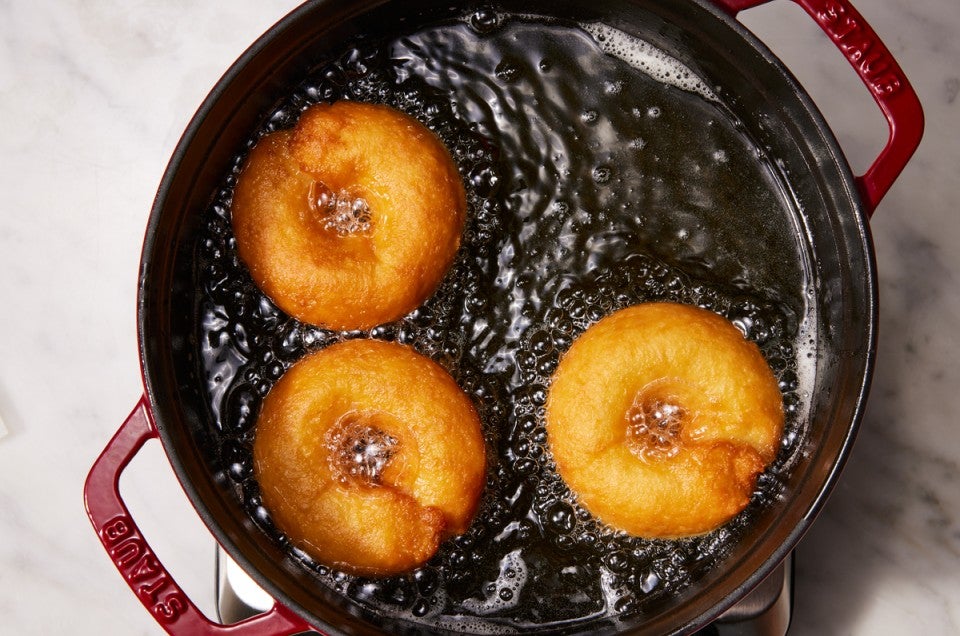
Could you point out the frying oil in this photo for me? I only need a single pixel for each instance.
(600, 173)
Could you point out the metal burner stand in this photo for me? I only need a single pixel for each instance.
(764, 612)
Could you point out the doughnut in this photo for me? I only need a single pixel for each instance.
(368, 455)
(660, 417)
(350, 219)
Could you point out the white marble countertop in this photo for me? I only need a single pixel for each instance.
(93, 98)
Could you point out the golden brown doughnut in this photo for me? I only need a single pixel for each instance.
(660, 417)
(350, 219)
(368, 455)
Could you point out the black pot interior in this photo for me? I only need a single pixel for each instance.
(808, 253)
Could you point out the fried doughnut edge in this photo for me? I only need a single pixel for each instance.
(333, 265)
(660, 417)
(368, 455)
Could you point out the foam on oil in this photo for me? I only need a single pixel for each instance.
(600, 173)
(648, 59)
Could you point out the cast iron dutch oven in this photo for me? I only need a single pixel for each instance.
(830, 208)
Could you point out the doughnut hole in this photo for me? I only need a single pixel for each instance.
(365, 449)
(339, 212)
(660, 417)
(657, 419)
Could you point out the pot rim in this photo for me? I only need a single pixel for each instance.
(276, 32)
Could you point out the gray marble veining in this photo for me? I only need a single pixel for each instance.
(93, 97)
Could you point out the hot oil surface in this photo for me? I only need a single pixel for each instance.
(592, 186)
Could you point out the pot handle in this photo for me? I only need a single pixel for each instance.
(884, 79)
(137, 563)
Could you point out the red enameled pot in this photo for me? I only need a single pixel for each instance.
(833, 206)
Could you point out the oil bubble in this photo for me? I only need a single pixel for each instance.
(602, 174)
(507, 71)
(242, 408)
(561, 517)
(484, 20)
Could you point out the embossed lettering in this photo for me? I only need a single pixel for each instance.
(150, 590)
(127, 552)
(115, 529)
(845, 28)
(887, 85)
(171, 608)
(859, 46)
(856, 46)
(829, 14)
(146, 567)
(873, 64)
(136, 562)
